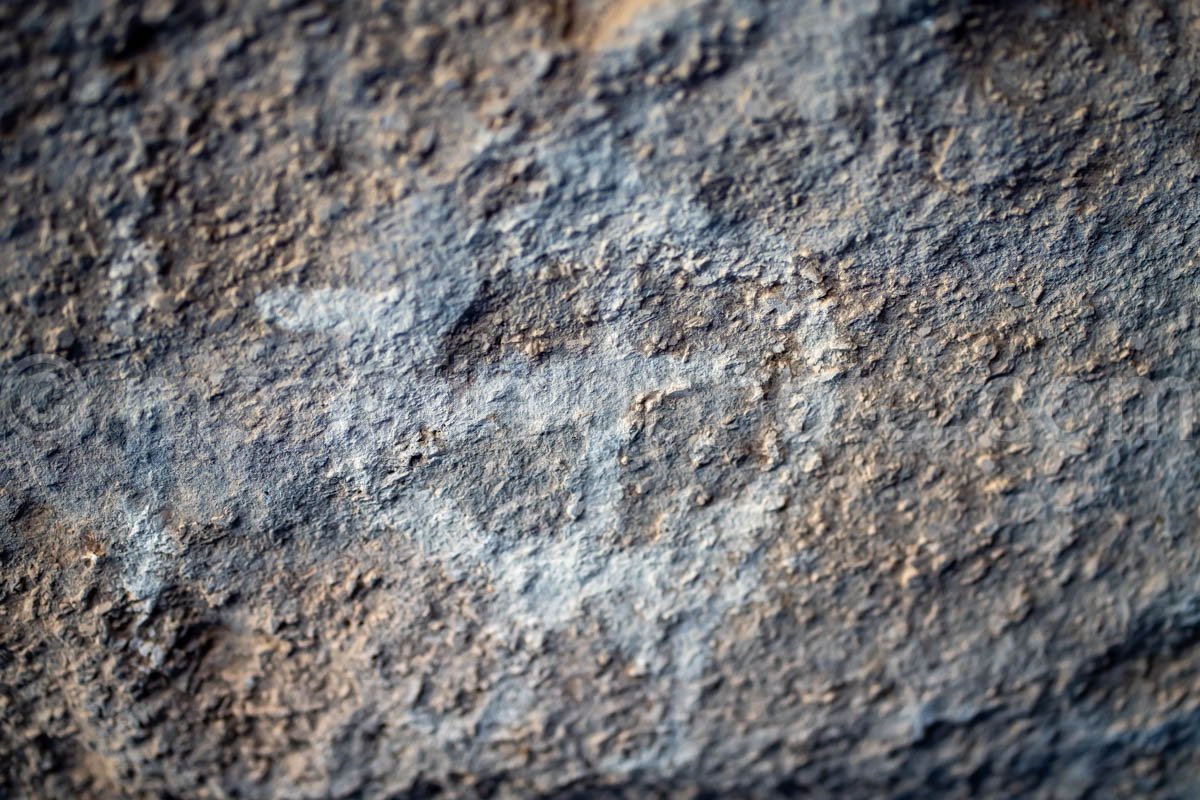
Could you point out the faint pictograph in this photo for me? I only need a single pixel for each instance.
(42, 394)
(41, 397)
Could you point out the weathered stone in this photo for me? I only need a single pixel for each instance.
(573, 398)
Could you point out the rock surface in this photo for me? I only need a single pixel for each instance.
(582, 398)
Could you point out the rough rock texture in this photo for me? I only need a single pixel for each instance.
(576, 398)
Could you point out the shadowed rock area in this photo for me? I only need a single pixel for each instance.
(567, 398)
